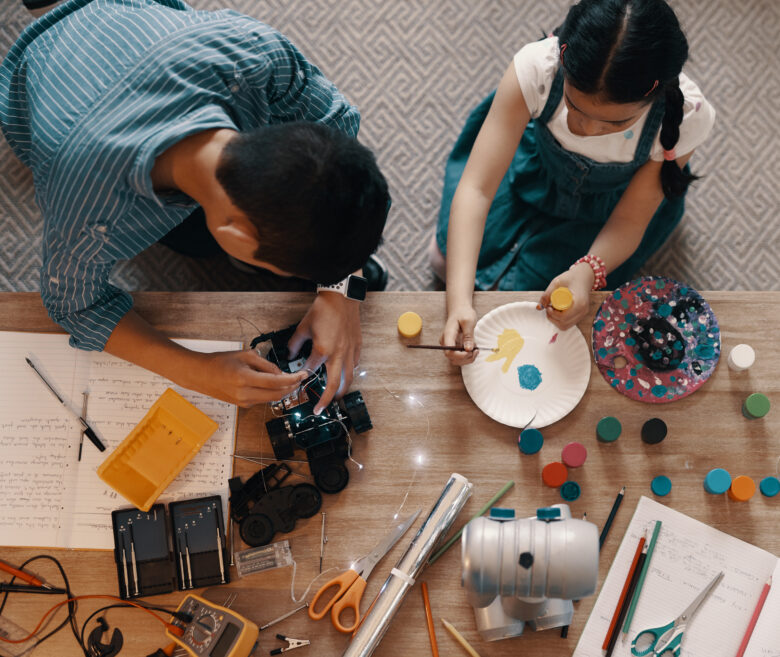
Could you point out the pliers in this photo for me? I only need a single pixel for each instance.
(291, 644)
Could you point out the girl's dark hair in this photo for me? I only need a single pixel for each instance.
(316, 196)
(630, 51)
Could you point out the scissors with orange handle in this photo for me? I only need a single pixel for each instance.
(351, 584)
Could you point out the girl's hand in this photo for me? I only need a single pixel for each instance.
(459, 330)
(580, 281)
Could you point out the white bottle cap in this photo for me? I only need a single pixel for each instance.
(741, 357)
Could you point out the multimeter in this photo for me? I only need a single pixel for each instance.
(214, 631)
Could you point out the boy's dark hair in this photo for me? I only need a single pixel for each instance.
(630, 51)
(315, 194)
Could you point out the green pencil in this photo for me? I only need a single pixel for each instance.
(490, 503)
(641, 580)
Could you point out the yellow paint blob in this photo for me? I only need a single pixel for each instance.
(562, 298)
(409, 324)
(510, 342)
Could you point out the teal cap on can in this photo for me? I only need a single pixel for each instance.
(530, 441)
(755, 406)
(661, 485)
(769, 486)
(570, 491)
(499, 513)
(717, 481)
(548, 513)
(608, 429)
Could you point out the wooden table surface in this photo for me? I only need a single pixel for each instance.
(413, 449)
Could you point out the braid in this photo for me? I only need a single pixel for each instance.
(674, 180)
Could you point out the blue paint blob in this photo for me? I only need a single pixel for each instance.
(659, 391)
(628, 134)
(630, 342)
(602, 352)
(630, 318)
(599, 325)
(529, 376)
(664, 310)
(629, 384)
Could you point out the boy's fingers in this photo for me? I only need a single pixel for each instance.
(296, 341)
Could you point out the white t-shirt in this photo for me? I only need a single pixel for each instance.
(536, 65)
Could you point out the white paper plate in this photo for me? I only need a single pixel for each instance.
(564, 366)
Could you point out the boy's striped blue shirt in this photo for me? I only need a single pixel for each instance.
(94, 90)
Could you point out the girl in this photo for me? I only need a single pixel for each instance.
(582, 149)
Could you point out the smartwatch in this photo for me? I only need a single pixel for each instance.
(352, 287)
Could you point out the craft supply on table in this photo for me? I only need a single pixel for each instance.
(84, 404)
(688, 554)
(445, 510)
(554, 474)
(769, 486)
(561, 299)
(654, 431)
(614, 625)
(626, 605)
(527, 377)
(610, 519)
(717, 481)
(530, 441)
(574, 455)
(292, 644)
(755, 406)
(655, 340)
(741, 357)
(22, 575)
(429, 620)
(460, 639)
(157, 449)
(608, 429)
(661, 485)
(570, 491)
(641, 579)
(199, 542)
(409, 324)
(323, 540)
(447, 347)
(262, 558)
(754, 618)
(350, 584)
(742, 488)
(22, 645)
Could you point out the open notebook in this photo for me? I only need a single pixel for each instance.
(688, 554)
(47, 497)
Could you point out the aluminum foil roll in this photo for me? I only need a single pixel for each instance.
(374, 625)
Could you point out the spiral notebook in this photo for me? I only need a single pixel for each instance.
(688, 554)
(49, 498)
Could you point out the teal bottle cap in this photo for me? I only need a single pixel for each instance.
(661, 485)
(548, 513)
(756, 405)
(570, 491)
(502, 514)
(608, 429)
(717, 481)
(530, 441)
(769, 486)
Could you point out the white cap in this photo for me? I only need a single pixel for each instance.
(741, 357)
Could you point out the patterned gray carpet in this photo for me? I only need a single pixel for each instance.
(416, 68)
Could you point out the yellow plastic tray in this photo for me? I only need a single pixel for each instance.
(157, 450)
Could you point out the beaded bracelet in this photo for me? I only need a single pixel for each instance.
(599, 270)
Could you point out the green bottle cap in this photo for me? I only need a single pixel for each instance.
(608, 429)
(756, 405)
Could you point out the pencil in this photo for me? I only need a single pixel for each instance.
(608, 524)
(429, 620)
(641, 581)
(622, 598)
(459, 638)
(626, 601)
(754, 617)
(447, 347)
(490, 503)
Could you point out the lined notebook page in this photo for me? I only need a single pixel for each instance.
(765, 641)
(74, 509)
(688, 554)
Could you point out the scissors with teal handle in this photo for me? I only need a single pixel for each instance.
(665, 641)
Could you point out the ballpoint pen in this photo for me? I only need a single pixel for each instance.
(87, 429)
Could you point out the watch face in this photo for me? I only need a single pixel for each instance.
(356, 288)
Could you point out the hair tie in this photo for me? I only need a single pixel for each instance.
(670, 155)
(563, 49)
(652, 89)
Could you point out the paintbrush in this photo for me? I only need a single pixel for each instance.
(447, 347)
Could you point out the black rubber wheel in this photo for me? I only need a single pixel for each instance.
(356, 410)
(332, 477)
(305, 500)
(257, 529)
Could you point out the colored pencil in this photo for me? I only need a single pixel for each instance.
(459, 638)
(626, 602)
(754, 618)
(622, 598)
(608, 524)
(641, 581)
(446, 347)
(483, 510)
(429, 620)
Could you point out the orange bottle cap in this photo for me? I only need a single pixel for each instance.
(742, 488)
(410, 324)
(554, 474)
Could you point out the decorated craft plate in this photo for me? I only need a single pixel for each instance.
(656, 340)
(538, 372)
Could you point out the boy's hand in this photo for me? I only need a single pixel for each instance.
(333, 324)
(459, 330)
(580, 281)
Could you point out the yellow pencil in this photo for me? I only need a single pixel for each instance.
(459, 638)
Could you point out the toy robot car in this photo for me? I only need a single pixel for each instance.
(324, 437)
